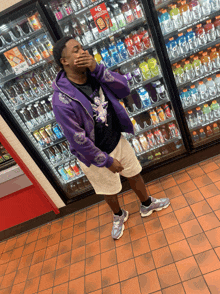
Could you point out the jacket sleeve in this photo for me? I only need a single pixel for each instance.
(116, 83)
(77, 138)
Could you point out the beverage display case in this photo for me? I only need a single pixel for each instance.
(6, 160)
(191, 33)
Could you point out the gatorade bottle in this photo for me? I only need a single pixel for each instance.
(215, 5)
(201, 35)
(185, 13)
(203, 93)
(215, 59)
(145, 97)
(217, 25)
(145, 70)
(206, 63)
(199, 116)
(217, 82)
(153, 66)
(211, 87)
(176, 16)
(191, 119)
(97, 56)
(173, 48)
(215, 128)
(209, 131)
(207, 112)
(191, 39)
(122, 49)
(189, 71)
(206, 7)
(215, 109)
(197, 65)
(182, 43)
(195, 137)
(202, 134)
(166, 22)
(195, 9)
(187, 99)
(210, 30)
(180, 74)
(194, 93)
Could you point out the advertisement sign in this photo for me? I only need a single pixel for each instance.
(101, 17)
(16, 60)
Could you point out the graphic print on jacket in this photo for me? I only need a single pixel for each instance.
(100, 110)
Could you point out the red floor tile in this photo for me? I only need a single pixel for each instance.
(214, 175)
(92, 223)
(173, 192)
(46, 281)
(130, 197)
(180, 250)
(213, 281)
(207, 261)
(79, 241)
(199, 243)
(168, 275)
(155, 188)
(167, 182)
(153, 226)
(168, 220)
(209, 190)
(209, 221)
(80, 217)
(49, 265)
(214, 202)
(202, 181)
(114, 289)
(149, 282)
(195, 172)
(78, 254)
(191, 228)
(107, 244)
(66, 234)
(126, 238)
(137, 232)
(105, 230)
(193, 197)
(187, 187)
(92, 264)
(32, 286)
(174, 289)
(77, 286)
(130, 286)
(181, 177)
(51, 251)
(11, 266)
(18, 289)
(77, 270)
(92, 235)
(79, 228)
(178, 202)
(140, 246)
(54, 239)
(65, 246)
(63, 260)
(201, 208)
(61, 289)
(209, 167)
(162, 256)
(134, 220)
(184, 214)
(124, 252)
(92, 282)
(196, 285)
(108, 258)
(21, 275)
(93, 249)
(144, 263)
(92, 212)
(127, 270)
(110, 276)
(174, 234)
(157, 240)
(68, 221)
(188, 268)
(7, 280)
(214, 237)
(61, 275)
(35, 270)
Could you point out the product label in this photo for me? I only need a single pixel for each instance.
(129, 16)
(101, 17)
(16, 60)
(121, 20)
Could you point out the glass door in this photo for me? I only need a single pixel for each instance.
(191, 31)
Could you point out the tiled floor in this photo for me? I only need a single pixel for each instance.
(176, 250)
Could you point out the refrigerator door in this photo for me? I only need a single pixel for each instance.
(191, 32)
(116, 33)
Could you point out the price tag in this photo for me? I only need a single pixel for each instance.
(101, 17)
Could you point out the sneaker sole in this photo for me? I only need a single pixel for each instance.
(156, 209)
(122, 231)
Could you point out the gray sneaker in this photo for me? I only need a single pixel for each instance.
(118, 224)
(157, 205)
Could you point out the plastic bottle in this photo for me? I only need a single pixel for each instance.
(93, 27)
(136, 8)
(195, 137)
(191, 119)
(122, 50)
(217, 25)
(194, 94)
(211, 87)
(145, 69)
(173, 49)
(106, 57)
(114, 26)
(153, 66)
(210, 30)
(191, 39)
(180, 74)
(28, 57)
(205, 6)
(127, 11)
(215, 58)
(182, 43)
(137, 41)
(215, 5)
(199, 116)
(136, 73)
(186, 97)
(145, 38)
(87, 33)
(130, 46)
(176, 16)
(51, 156)
(209, 131)
(137, 146)
(97, 56)
(206, 63)
(201, 35)
(144, 96)
(215, 109)
(42, 113)
(202, 134)
(35, 90)
(48, 44)
(197, 65)
(114, 53)
(126, 70)
(207, 112)
(35, 52)
(119, 16)
(166, 22)
(189, 71)
(135, 125)
(185, 13)
(215, 128)
(47, 110)
(161, 91)
(203, 93)
(217, 82)
(196, 10)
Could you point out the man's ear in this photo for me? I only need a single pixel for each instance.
(63, 61)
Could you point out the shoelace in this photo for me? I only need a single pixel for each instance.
(116, 223)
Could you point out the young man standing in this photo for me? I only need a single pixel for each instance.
(86, 105)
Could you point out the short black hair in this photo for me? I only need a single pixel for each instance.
(58, 49)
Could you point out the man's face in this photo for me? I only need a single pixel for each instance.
(71, 52)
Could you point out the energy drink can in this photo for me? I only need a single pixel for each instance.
(45, 135)
(63, 173)
(39, 138)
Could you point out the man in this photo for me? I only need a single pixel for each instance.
(86, 105)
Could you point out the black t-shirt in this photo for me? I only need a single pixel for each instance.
(107, 126)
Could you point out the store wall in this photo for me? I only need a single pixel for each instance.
(6, 4)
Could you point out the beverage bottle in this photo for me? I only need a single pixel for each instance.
(35, 90)
(160, 113)
(45, 136)
(85, 28)
(144, 144)
(180, 74)
(182, 44)
(39, 138)
(47, 80)
(166, 22)
(217, 25)
(136, 8)
(63, 173)
(195, 137)
(167, 111)
(122, 50)
(127, 11)
(176, 16)
(144, 97)
(194, 93)
(75, 5)
(64, 151)
(40, 83)
(196, 11)
(159, 14)
(137, 41)
(186, 98)
(57, 153)
(35, 52)
(197, 65)
(215, 109)
(207, 112)
(136, 73)
(126, 71)
(206, 7)
(203, 93)
(78, 33)
(189, 71)
(161, 91)
(217, 82)
(26, 89)
(34, 115)
(41, 112)
(137, 146)
(106, 57)
(206, 62)
(159, 137)
(210, 30)
(93, 28)
(84, 3)
(153, 66)
(174, 132)
(57, 131)
(164, 133)
(47, 110)
(145, 38)
(211, 87)
(145, 69)
(51, 156)
(27, 119)
(135, 125)
(151, 140)
(52, 72)
(97, 56)
(209, 131)
(199, 116)
(215, 4)
(191, 39)
(202, 134)
(173, 49)
(215, 59)
(114, 53)
(201, 35)
(154, 117)
(114, 25)
(119, 16)
(68, 8)
(28, 57)
(58, 12)
(130, 46)
(19, 96)
(185, 13)
(191, 119)
(215, 128)
(50, 132)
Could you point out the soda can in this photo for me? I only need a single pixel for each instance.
(75, 167)
(137, 145)
(144, 142)
(63, 173)
(167, 111)
(158, 136)
(69, 171)
(57, 131)
(45, 135)
(154, 117)
(151, 140)
(161, 113)
(49, 131)
(39, 138)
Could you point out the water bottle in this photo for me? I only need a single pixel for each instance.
(206, 6)
(114, 53)
(106, 57)
(28, 57)
(173, 49)
(47, 109)
(51, 156)
(144, 96)
(194, 93)
(57, 153)
(203, 93)
(217, 82)
(182, 44)
(211, 87)
(122, 50)
(191, 119)
(35, 52)
(64, 151)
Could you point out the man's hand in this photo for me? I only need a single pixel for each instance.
(86, 60)
(116, 166)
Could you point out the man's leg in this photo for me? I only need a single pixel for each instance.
(138, 186)
(113, 203)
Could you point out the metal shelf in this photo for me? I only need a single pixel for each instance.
(210, 44)
(53, 143)
(44, 124)
(205, 124)
(146, 82)
(63, 161)
(200, 103)
(73, 179)
(164, 4)
(20, 106)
